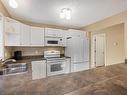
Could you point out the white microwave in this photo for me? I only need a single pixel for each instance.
(53, 41)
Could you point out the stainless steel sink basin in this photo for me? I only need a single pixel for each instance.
(11, 69)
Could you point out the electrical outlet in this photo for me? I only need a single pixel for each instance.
(36, 52)
(5, 54)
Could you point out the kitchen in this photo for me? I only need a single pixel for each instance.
(58, 48)
(20, 35)
(60, 58)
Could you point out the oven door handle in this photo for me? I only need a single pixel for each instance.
(55, 62)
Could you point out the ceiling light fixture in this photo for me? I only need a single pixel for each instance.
(13, 3)
(65, 13)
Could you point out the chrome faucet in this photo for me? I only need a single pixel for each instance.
(8, 60)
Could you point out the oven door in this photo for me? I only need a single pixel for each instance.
(55, 68)
(53, 41)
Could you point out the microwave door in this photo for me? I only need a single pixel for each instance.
(52, 42)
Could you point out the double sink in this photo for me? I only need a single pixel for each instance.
(12, 69)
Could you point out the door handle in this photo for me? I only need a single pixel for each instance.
(69, 37)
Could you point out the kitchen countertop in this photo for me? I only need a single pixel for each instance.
(29, 59)
(26, 59)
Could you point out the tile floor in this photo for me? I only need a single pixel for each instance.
(111, 80)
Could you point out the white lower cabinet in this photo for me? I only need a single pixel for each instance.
(38, 69)
(68, 65)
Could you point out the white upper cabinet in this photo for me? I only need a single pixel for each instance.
(76, 33)
(12, 26)
(19, 34)
(12, 32)
(25, 35)
(50, 32)
(37, 36)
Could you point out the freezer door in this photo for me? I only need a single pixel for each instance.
(75, 67)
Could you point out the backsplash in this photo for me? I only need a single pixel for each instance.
(8, 52)
(34, 51)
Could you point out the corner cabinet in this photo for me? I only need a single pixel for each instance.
(12, 32)
(37, 36)
(38, 69)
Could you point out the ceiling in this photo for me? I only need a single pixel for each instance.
(84, 12)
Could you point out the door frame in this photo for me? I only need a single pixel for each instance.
(93, 63)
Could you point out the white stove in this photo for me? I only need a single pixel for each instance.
(55, 64)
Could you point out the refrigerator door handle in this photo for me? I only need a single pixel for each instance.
(69, 37)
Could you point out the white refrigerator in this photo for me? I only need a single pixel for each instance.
(78, 49)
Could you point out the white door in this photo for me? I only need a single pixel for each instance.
(99, 47)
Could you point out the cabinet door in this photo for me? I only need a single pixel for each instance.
(76, 33)
(25, 35)
(53, 32)
(12, 35)
(38, 69)
(37, 36)
(68, 65)
(12, 27)
(64, 40)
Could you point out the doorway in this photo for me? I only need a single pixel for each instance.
(99, 49)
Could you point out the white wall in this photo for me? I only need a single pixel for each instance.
(125, 38)
(114, 44)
